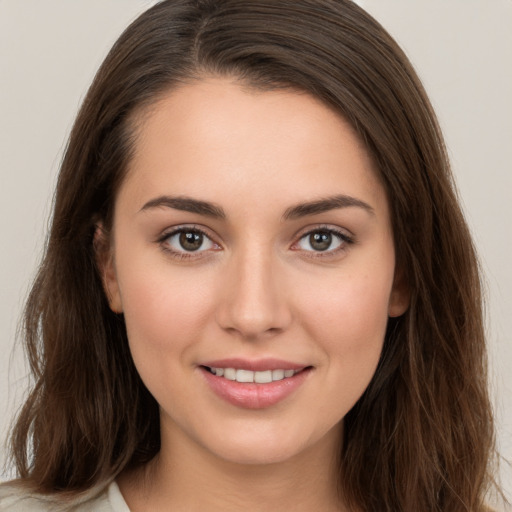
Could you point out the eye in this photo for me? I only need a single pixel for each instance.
(325, 240)
(187, 240)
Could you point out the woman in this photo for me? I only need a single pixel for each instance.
(259, 290)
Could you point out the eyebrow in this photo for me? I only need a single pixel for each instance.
(325, 205)
(186, 204)
(208, 209)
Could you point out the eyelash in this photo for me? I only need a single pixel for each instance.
(345, 241)
(185, 255)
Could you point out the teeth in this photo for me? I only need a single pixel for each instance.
(230, 373)
(244, 376)
(263, 377)
(277, 374)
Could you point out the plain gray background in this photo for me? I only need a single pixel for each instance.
(50, 49)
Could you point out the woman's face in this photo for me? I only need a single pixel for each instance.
(253, 261)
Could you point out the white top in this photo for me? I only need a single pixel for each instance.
(14, 498)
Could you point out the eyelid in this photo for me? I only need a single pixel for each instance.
(183, 254)
(344, 235)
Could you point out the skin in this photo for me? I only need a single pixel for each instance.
(256, 288)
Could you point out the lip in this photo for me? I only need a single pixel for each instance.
(258, 365)
(252, 395)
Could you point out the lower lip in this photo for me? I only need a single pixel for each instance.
(254, 396)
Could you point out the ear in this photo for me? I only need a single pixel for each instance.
(106, 267)
(400, 297)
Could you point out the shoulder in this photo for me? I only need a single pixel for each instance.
(14, 497)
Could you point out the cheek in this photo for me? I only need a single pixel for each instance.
(351, 305)
(164, 309)
(165, 314)
(349, 323)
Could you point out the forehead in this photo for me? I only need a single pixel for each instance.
(216, 137)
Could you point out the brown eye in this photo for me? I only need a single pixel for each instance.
(320, 241)
(191, 240)
(185, 240)
(323, 240)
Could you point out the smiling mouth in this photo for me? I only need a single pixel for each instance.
(265, 385)
(249, 376)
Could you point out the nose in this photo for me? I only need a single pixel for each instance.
(254, 301)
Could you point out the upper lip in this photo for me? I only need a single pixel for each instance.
(256, 365)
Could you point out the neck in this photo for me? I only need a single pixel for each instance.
(184, 476)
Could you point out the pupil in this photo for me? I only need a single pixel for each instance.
(191, 241)
(320, 241)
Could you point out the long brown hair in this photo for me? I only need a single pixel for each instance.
(421, 436)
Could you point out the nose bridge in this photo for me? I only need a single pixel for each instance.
(254, 303)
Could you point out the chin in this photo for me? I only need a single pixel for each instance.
(259, 454)
(272, 446)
